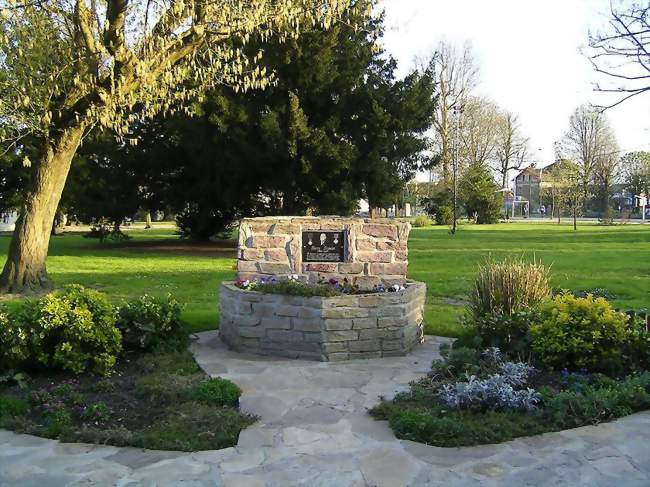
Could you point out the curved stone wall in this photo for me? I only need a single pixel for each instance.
(322, 328)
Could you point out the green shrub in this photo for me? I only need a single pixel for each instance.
(72, 330)
(597, 403)
(457, 361)
(216, 392)
(445, 215)
(506, 287)
(14, 346)
(96, 413)
(148, 321)
(577, 333)
(421, 221)
(12, 406)
(509, 332)
(58, 421)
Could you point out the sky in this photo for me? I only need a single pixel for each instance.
(529, 54)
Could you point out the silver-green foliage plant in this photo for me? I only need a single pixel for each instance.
(504, 390)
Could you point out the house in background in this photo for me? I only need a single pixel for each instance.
(527, 187)
(8, 221)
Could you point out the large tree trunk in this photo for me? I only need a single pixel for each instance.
(25, 269)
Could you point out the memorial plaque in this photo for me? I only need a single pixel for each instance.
(323, 246)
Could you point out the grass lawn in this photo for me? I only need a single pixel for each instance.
(616, 258)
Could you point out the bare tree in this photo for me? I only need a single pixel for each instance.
(589, 142)
(456, 76)
(622, 52)
(479, 131)
(511, 146)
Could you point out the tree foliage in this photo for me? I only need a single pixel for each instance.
(336, 126)
(479, 194)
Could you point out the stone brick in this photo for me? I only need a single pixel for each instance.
(311, 356)
(243, 307)
(269, 241)
(367, 282)
(350, 268)
(284, 336)
(366, 244)
(336, 357)
(386, 245)
(364, 323)
(311, 267)
(286, 310)
(364, 346)
(343, 301)
(263, 309)
(380, 333)
(396, 310)
(246, 266)
(307, 324)
(393, 353)
(251, 297)
(251, 331)
(391, 344)
(392, 321)
(284, 228)
(250, 254)
(276, 255)
(276, 323)
(335, 347)
(385, 256)
(395, 268)
(345, 313)
(380, 230)
(249, 342)
(341, 336)
(274, 268)
(313, 337)
(247, 320)
(401, 255)
(369, 301)
(364, 355)
(304, 312)
(338, 324)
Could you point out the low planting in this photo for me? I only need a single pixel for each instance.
(291, 286)
(531, 362)
(62, 378)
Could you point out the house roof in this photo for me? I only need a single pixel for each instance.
(532, 170)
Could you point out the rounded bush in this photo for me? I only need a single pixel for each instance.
(421, 221)
(579, 333)
(71, 330)
(217, 392)
(149, 321)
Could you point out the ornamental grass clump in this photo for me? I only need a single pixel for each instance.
(507, 287)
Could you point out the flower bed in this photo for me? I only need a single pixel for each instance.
(533, 361)
(75, 368)
(292, 286)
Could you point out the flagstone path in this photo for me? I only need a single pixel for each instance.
(314, 431)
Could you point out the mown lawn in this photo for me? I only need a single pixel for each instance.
(616, 258)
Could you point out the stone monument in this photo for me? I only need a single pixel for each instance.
(371, 254)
